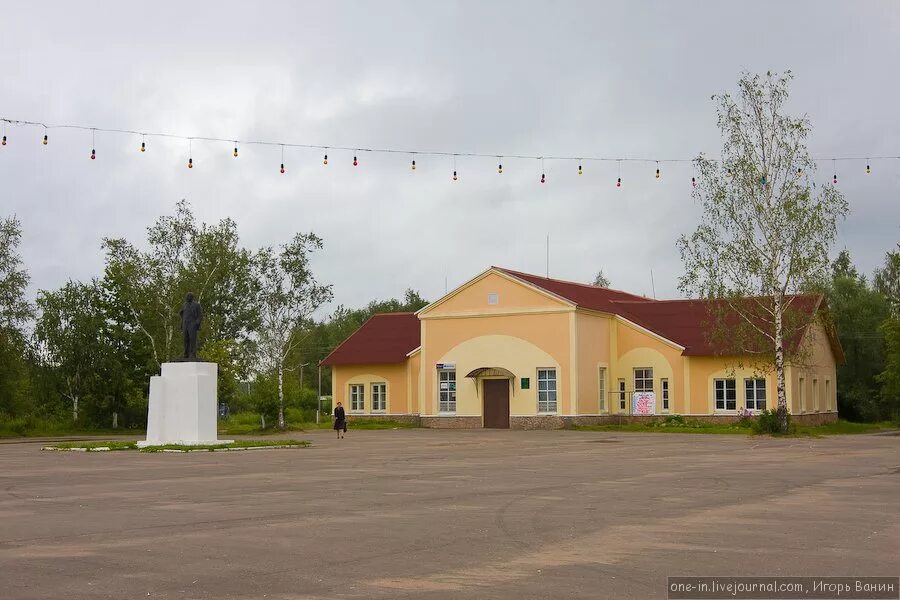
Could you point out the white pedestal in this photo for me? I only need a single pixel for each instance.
(183, 405)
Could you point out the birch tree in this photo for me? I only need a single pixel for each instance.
(766, 227)
(288, 295)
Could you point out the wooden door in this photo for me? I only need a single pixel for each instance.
(496, 403)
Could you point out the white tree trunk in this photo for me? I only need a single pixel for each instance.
(115, 420)
(280, 396)
(779, 365)
(75, 408)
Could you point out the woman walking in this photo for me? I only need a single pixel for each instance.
(340, 420)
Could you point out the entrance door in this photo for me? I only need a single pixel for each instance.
(496, 403)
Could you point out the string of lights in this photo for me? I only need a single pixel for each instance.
(325, 148)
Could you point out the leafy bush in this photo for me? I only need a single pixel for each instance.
(768, 421)
(673, 420)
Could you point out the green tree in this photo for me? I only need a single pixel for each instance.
(88, 353)
(766, 227)
(288, 295)
(601, 280)
(15, 311)
(889, 378)
(887, 280)
(857, 312)
(148, 288)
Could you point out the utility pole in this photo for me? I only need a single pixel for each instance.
(301, 375)
(319, 410)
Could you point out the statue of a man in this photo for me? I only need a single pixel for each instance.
(191, 316)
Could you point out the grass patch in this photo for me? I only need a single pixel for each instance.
(248, 423)
(119, 445)
(236, 444)
(842, 427)
(677, 424)
(649, 428)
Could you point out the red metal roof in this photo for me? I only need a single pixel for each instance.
(384, 338)
(583, 295)
(389, 337)
(688, 322)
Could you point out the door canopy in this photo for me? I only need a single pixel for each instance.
(491, 372)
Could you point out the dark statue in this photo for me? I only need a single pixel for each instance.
(191, 316)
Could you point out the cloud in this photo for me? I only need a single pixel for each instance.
(581, 78)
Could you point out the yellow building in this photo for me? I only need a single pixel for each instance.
(509, 349)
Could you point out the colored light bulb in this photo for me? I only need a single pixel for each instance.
(413, 167)
(93, 154)
(282, 168)
(543, 179)
(834, 180)
(762, 181)
(500, 168)
(693, 182)
(190, 163)
(619, 182)
(325, 160)
(235, 152)
(728, 172)
(868, 168)
(45, 139)
(355, 162)
(799, 171)
(454, 176)
(657, 173)
(4, 140)
(143, 147)
(580, 172)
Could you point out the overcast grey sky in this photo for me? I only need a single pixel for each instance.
(554, 78)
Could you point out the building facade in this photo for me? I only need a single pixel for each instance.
(510, 349)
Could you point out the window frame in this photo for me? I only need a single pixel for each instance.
(383, 398)
(725, 381)
(756, 389)
(664, 394)
(361, 398)
(547, 392)
(647, 376)
(449, 393)
(601, 389)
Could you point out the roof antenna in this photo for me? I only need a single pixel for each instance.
(548, 256)
(652, 285)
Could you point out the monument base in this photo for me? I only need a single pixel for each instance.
(183, 405)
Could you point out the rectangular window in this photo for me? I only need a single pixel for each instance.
(546, 379)
(379, 397)
(828, 404)
(664, 388)
(601, 390)
(622, 395)
(755, 394)
(357, 397)
(447, 391)
(726, 394)
(643, 380)
(815, 395)
(800, 395)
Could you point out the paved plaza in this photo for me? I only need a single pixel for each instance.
(446, 514)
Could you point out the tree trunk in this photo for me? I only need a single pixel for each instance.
(779, 367)
(75, 409)
(280, 397)
(115, 420)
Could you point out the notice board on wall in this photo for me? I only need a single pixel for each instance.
(643, 403)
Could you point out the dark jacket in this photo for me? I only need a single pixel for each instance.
(339, 415)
